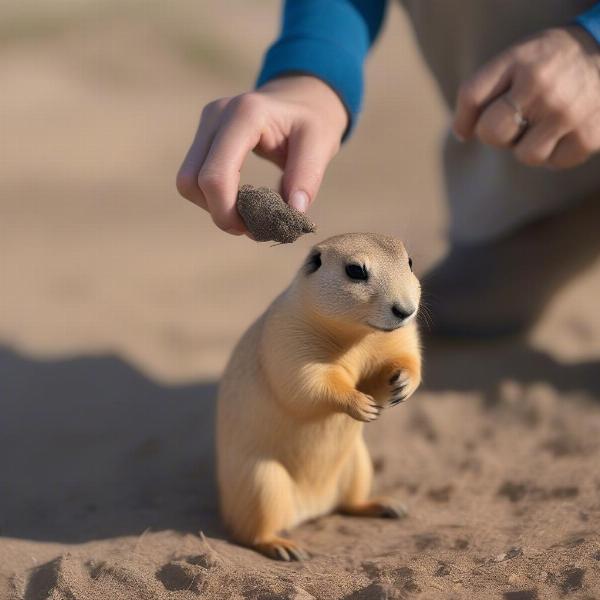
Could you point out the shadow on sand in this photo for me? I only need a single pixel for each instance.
(482, 367)
(90, 448)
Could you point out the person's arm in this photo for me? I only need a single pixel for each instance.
(328, 39)
(309, 92)
(590, 21)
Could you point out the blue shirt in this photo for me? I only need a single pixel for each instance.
(330, 39)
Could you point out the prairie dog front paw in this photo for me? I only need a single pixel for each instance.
(362, 407)
(402, 385)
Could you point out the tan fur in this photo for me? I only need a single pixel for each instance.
(298, 387)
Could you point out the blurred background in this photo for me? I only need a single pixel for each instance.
(100, 101)
(120, 303)
(98, 253)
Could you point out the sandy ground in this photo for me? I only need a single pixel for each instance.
(120, 302)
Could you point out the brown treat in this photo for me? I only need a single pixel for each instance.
(269, 218)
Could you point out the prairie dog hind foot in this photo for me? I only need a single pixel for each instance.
(382, 507)
(280, 548)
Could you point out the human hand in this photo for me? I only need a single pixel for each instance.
(540, 98)
(296, 122)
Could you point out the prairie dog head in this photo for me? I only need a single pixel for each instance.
(361, 279)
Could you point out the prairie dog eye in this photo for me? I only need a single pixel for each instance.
(314, 262)
(357, 272)
(410, 263)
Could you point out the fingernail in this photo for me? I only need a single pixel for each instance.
(235, 232)
(299, 201)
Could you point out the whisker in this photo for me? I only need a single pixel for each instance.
(425, 312)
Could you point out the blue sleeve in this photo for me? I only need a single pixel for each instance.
(590, 21)
(328, 39)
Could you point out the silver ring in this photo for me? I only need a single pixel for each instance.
(520, 120)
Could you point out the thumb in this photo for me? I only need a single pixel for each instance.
(307, 158)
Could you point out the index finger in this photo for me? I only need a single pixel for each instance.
(492, 80)
(219, 176)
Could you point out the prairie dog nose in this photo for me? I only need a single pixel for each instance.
(401, 312)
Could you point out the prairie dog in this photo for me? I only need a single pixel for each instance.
(337, 346)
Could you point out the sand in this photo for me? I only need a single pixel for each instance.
(120, 304)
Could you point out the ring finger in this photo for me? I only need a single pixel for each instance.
(502, 121)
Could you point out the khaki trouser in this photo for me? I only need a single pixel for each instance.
(489, 192)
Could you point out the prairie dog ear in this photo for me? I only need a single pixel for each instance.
(313, 262)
